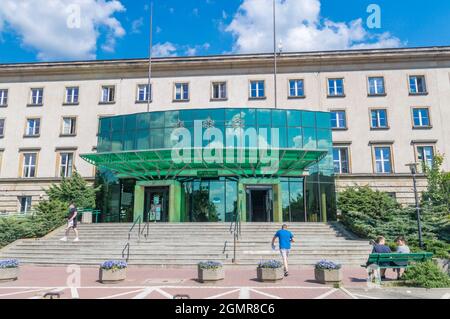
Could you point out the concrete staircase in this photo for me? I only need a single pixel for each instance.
(187, 244)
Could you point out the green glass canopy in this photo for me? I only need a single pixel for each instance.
(159, 163)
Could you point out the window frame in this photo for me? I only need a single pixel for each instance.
(73, 118)
(328, 87)
(345, 120)
(368, 85)
(182, 92)
(377, 128)
(31, 102)
(113, 87)
(3, 98)
(374, 158)
(28, 206)
(25, 134)
(23, 165)
(2, 134)
(257, 90)
(66, 101)
(425, 92)
(347, 149)
(213, 83)
(289, 89)
(150, 96)
(66, 168)
(421, 127)
(417, 153)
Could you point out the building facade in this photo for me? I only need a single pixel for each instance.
(387, 108)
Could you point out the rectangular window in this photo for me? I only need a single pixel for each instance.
(25, 204)
(65, 164)
(257, 89)
(417, 84)
(341, 160)
(219, 91)
(108, 94)
(72, 95)
(3, 97)
(376, 86)
(181, 91)
(425, 154)
(37, 96)
(338, 120)
(29, 165)
(2, 127)
(379, 119)
(421, 117)
(33, 127)
(69, 126)
(335, 87)
(296, 88)
(383, 160)
(144, 93)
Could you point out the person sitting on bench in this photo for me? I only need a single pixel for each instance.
(402, 248)
(380, 247)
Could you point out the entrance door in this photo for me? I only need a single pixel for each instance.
(260, 204)
(156, 204)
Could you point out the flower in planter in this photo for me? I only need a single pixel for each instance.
(113, 265)
(273, 264)
(211, 265)
(327, 265)
(9, 263)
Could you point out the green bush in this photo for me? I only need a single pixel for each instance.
(426, 275)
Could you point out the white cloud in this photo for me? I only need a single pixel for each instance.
(136, 25)
(166, 49)
(57, 32)
(300, 28)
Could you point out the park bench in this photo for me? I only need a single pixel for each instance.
(395, 260)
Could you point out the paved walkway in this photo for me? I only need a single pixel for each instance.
(163, 283)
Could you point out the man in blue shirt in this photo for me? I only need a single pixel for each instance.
(285, 238)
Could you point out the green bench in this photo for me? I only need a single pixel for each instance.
(395, 260)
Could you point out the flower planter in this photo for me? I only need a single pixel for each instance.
(270, 274)
(111, 276)
(9, 274)
(325, 276)
(210, 275)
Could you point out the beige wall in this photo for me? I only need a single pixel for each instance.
(394, 65)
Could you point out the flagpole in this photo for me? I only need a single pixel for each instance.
(275, 54)
(149, 90)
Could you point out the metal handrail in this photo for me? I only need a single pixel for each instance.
(146, 227)
(127, 249)
(236, 233)
(136, 222)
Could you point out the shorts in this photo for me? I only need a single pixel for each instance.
(285, 252)
(72, 224)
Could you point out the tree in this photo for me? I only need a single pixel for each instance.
(74, 189)
(438, 189)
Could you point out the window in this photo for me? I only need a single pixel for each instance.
(2, 127)
(425, 154)
(72, 95)
(25, 204)
(335, 87)
(383, 160)
(3, 97)
(144, 93)
(257, 90)
(296, 88)
(29, 165)
(341, 160)
(33, 127)
(37, 96)
(417, 85)
(181, 91)
(65, 164)
(376, 86)
(108, 94)
(379, 119)
(219, 91)
(69, 126)
(421, 117)
(338, 120)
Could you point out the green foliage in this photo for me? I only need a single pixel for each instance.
(74, 189)
(426, 275)
(438, 189)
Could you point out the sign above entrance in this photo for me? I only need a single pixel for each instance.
(207, 174)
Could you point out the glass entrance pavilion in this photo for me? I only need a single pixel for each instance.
(208, 165)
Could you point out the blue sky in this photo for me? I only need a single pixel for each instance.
(108, 29)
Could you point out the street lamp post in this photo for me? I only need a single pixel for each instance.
(413, 169)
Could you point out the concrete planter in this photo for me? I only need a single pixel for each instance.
(210, 275)
(112, 276)
(9, 274)
(270, 274)
(325, 276)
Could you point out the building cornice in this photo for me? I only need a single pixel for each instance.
(318, 59)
